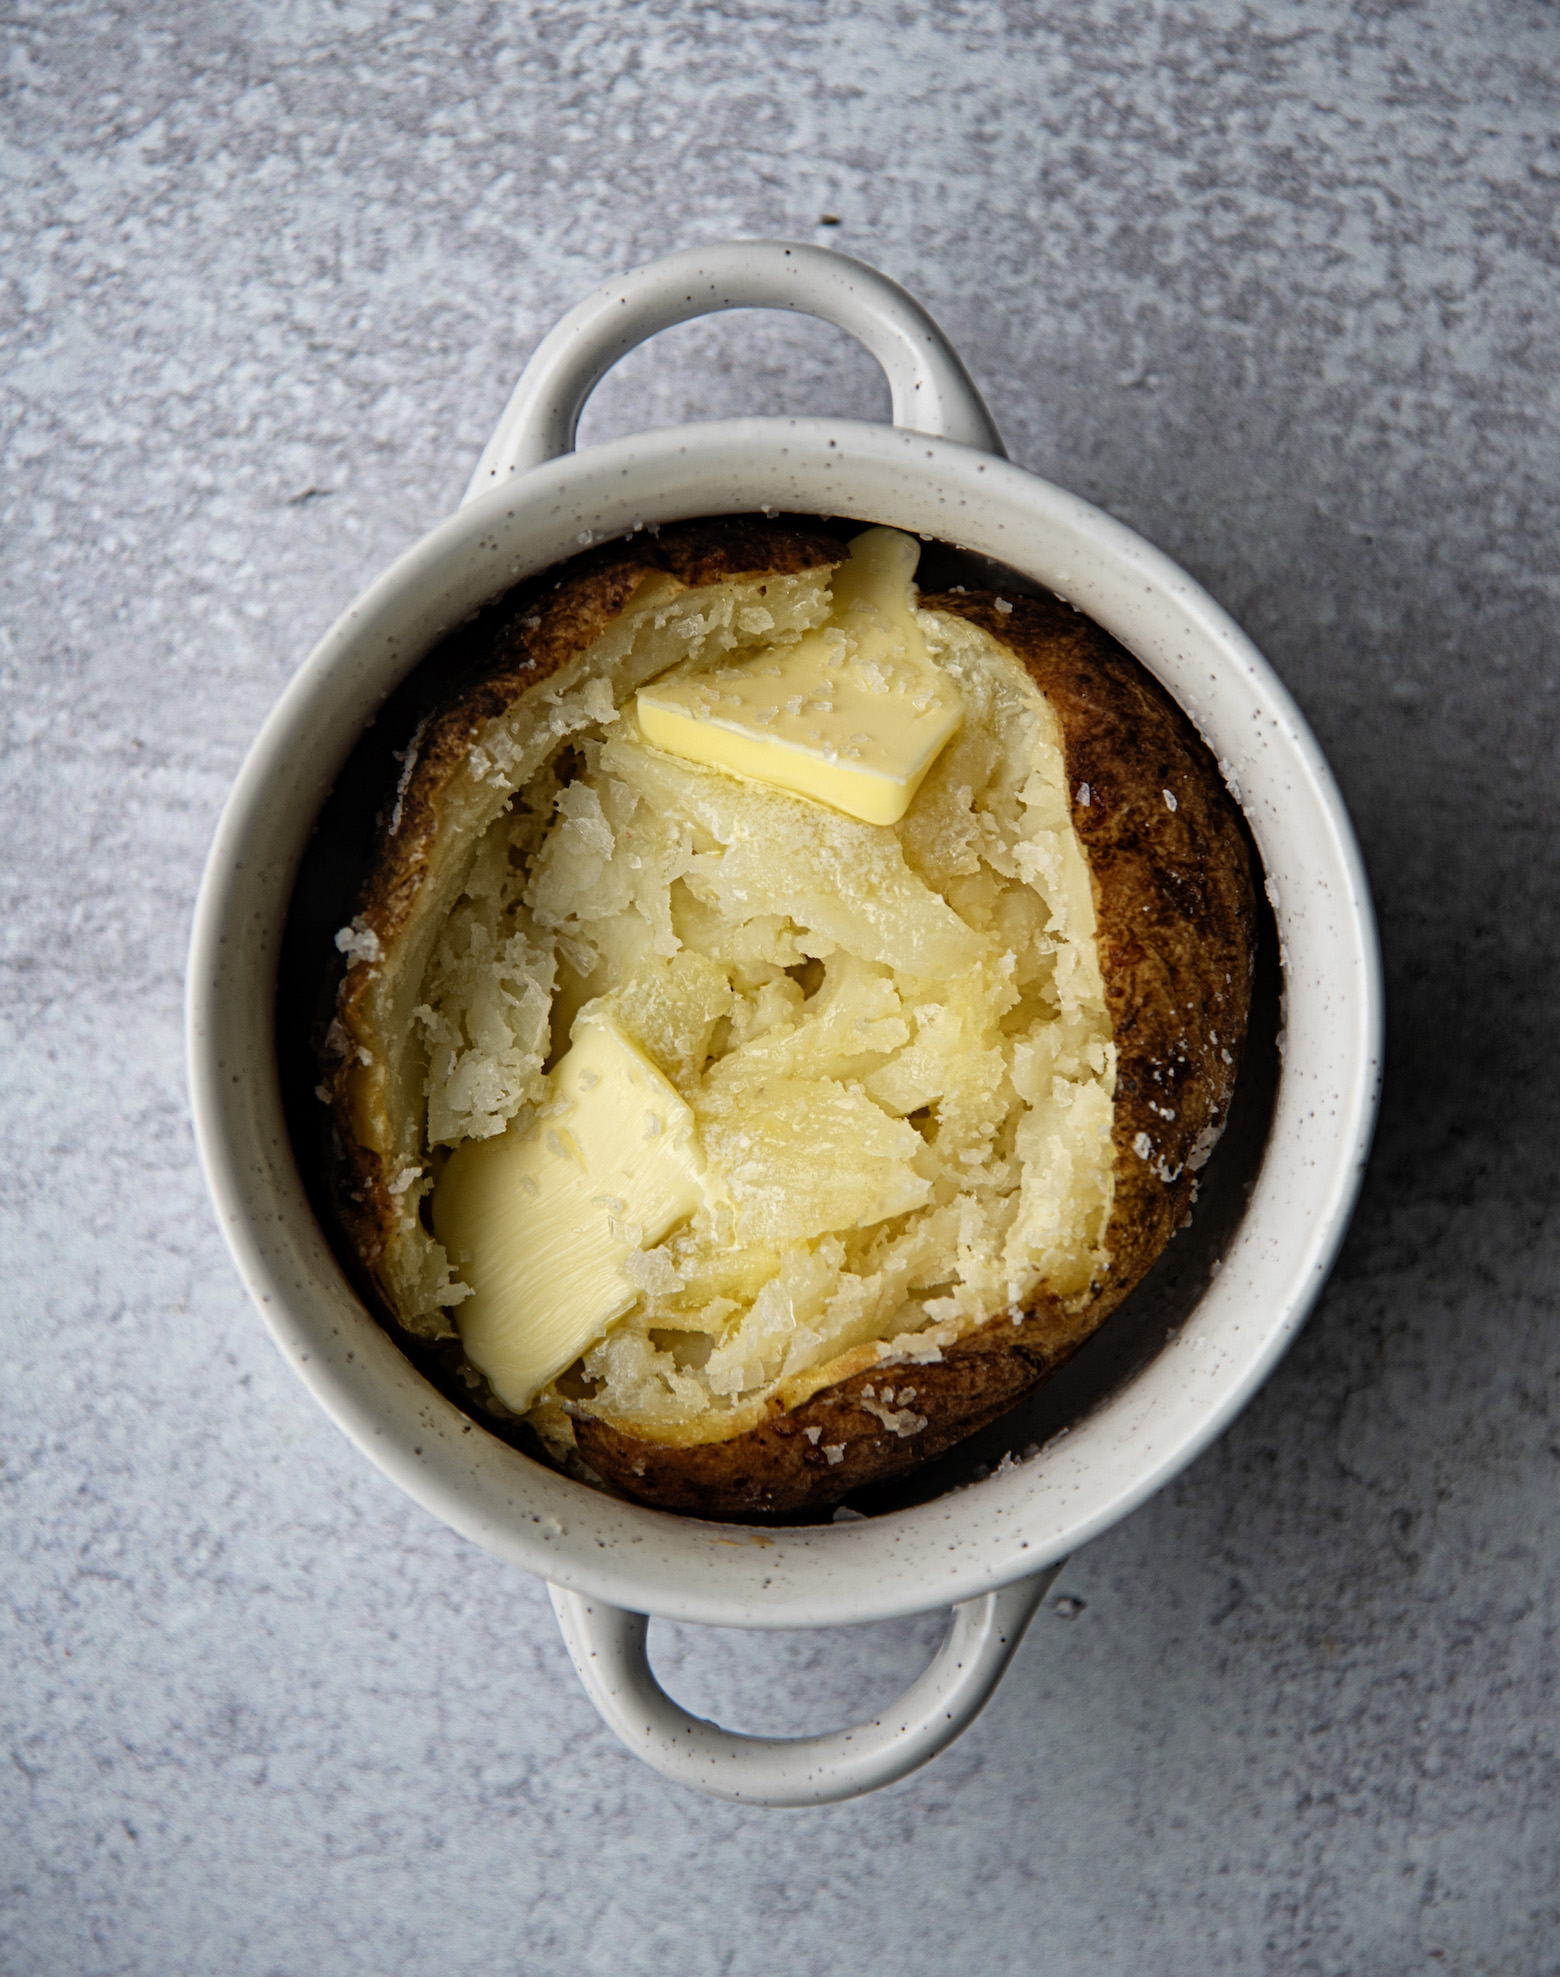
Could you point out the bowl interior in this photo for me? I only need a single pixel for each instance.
(324, 898)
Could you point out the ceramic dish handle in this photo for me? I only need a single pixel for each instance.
(608, 1647)
(931, 390)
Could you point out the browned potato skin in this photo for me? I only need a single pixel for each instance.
(1176, 923)
(1176, 918)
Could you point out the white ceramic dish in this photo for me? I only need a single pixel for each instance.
(989, 1550)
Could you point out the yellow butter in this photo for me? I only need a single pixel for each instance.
(540, 1223)
(852, 715)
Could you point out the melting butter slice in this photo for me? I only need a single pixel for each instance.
(853, 715)
(540, 1222)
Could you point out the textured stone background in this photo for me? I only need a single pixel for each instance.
(1276, 284)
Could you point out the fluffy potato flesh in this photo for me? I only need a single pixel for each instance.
(892, 1039)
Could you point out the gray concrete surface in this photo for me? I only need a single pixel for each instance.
(1276, 284)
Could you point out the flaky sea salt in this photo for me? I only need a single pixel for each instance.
(359, 942)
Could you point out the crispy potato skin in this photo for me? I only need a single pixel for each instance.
(1176, 922)
(1176, 925)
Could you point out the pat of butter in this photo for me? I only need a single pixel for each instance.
(853, 715)
(541, 1222)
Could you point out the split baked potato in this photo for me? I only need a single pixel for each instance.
(922, 1100)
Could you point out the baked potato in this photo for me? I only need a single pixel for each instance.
(923, 1099)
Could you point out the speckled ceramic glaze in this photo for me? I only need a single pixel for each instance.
(988, 1550)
